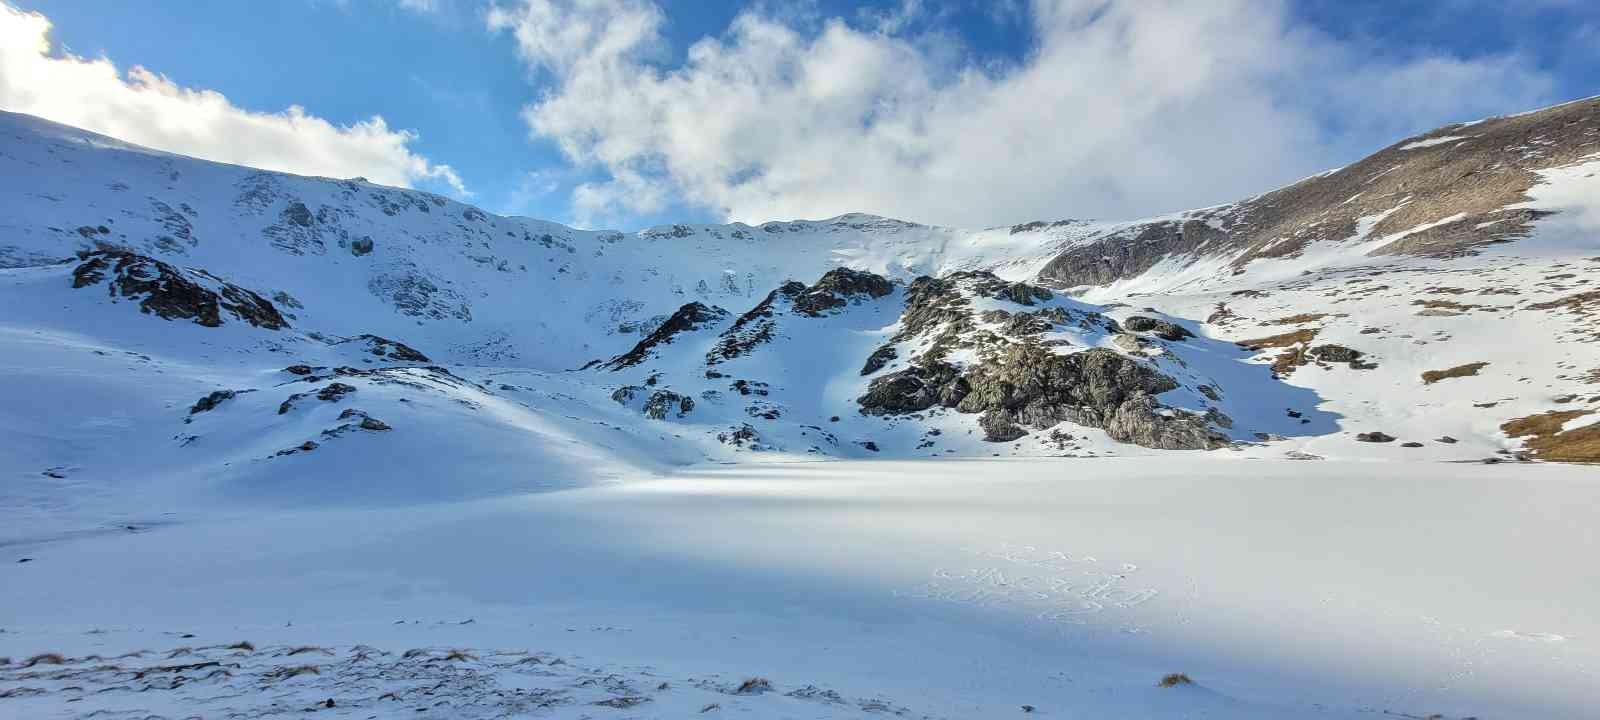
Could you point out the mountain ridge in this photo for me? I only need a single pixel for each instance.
(597, 354)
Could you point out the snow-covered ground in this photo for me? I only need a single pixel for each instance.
(924, 588)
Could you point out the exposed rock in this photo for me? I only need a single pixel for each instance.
(1446, 439)
(361, 246)
(1143, 421)
(1336, 353)
(1164, 329)
(1129, 343)
(626, 394)
(747, 387)
(998, 426)
(1412, 444)
(839, 287)
(1340, 354)
(879, 358)
(868, 445)
(298, 370)
(1027, 324)
(661, 403)
(416, 292)
(756, 327)
(688, 318)
(391, 349)
(174, 293)
(334, 392)
(211, 401)
(306, 446)
(913, 389)
(1374, 437)
(743, 436)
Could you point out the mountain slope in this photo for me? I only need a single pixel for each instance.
(1435, 301)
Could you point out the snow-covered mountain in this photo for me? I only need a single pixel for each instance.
(256, 402)
(227, 326)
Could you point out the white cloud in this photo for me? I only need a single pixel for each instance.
(148, 109)
(1121, 109)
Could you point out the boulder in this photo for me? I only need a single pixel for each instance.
(1164, 329)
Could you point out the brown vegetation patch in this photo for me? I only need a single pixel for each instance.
(1548, 442)
(1579, 302)
(1297, 319)
(1281, 340)
(1432, 376)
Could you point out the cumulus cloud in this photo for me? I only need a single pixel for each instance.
(148, 109)
(1120, 109)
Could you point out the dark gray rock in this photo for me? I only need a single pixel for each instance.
(1336, 354)
(914, 389)
(211, 401)
(688, 318)
(1374, 437)
(1164, 329)
(174, 293)
(998, 426)
(662, 403)
(839, 287)
(879, 358)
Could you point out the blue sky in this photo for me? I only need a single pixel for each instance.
(1317, 83)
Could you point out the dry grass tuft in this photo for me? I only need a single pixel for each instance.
(1174, 680)
(244, 645)
(308, 649)
(1281, 340)
(45, 659)
(1432, 376)
(284, 673)
(459, 655)
(1297, 319)
(415, 652)
(1294, 344)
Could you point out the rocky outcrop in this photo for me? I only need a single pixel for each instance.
(756, 327)
(211, 401)
(657, 405)
(390, 349)
(662, 403)
(914, 389)
(1164, 329)
(1031, 386)
(879, 358)
(999, 426)
(174, 293)
(332, 392)
(1096, 388)
(418, 293)
(840, 287)
(688, 318)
